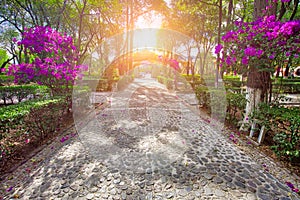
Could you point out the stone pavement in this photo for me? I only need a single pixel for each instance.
(146, 144)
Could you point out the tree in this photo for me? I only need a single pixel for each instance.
(199, 21)
(258, 46)
(52, 60)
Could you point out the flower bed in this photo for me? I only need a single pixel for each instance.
(29, 122)
(283, 126)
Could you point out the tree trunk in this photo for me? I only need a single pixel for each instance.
(253, 95)
(258, 82)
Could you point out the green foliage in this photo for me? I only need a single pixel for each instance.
(21, 92)
(190, 77)
(168, 82)
(213, 100)
(287, 137)
(14, 118)
(203, 95)
(291, 86)
(124, 81)
(45, 118)
(6, 80)
(3, 56)
(232, 81)
(236, 102)
(31, 119)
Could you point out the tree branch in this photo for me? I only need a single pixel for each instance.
(296, 3)
(7, 61)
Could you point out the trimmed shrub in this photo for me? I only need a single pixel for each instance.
(232, 81)
(34, 120)
(123, 82)
(4, 79)
(190, 77)
(19, 118)
(236, 102)
(284, 125)
(168, 82)
(21, 92)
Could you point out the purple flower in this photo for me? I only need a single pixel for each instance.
(218, 48)
(259, 52)
(228, 60)
(295, 190)
(63, 139)
(289, 184)
(245, 60)
(272, 56)
(9, 189)
(250, 51)
(230, 36)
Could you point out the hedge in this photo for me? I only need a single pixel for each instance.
(284, 126)
(168, 82)
(20, 118)
(21, 92)
(232, 81)
(4, 79)
(211, 98)
(287, 87)
(189, 77)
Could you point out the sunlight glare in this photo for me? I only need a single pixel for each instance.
(155, 21)
(145, 38)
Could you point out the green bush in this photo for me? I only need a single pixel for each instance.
(19, 118)
(214, 100)
(31, 119)
(168, 82)
(21, 92)
(123, 82)
(45, 118)
(203, 95)
(287, 87)
(4, 79)
(160, 79)
(190, 77)
(232, 81)
(285, 122)
(236, 102)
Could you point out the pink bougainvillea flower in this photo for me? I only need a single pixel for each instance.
(54, 54)
(295, 190)
(73, 134)
(28, 170)
(264, 165)
(245, 60)
(289, 184)
(250, 51)
(218, 48)
(63, 139)
(9, 189)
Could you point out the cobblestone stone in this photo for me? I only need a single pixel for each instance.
(156, 148)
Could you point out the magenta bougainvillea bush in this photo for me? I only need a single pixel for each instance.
(264, 43)
(51, 59)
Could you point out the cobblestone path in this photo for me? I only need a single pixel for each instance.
(146, 145)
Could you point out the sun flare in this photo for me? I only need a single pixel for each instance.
(154, 21)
